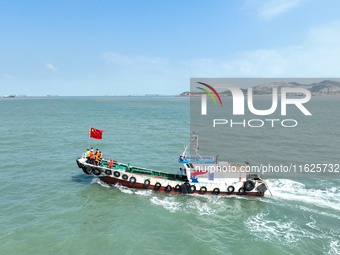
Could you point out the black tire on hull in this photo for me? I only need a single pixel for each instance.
(249, 185)
(168, 188)
(96, 171)
(177, 187)
(125, 177)
(185, 188)
(203, 190)
(158, 186)
(108, 172)
(216, 191)
(133, 180)
(231, 189)
(241, 190)
(116, 174)
(87, 169)
(147, 182)
(192, 188)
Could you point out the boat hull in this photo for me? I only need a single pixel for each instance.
(113, 181)
(169, 183)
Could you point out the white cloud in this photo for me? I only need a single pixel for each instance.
(317, 56)
(268, 9)
(120, 59)
(51, 67)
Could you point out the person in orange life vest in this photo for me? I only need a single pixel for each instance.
(96, 154)
(100, 158)
(91, 156)
(96, 160)
(88, 156)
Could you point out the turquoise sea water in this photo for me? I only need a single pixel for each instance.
(49, 206)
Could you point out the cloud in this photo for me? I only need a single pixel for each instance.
(142, 61)
(316, 56)
(51, 67)
(268, 9)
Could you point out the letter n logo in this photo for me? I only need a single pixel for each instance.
(204, 97)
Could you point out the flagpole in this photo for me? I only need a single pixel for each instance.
(89, 138)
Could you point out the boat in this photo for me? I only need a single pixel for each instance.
(200, 175)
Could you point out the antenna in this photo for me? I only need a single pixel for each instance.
(195, 147)
(185, 150)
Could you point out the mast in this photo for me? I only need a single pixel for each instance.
(195, 147)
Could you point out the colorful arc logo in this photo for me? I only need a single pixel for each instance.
(209, 93)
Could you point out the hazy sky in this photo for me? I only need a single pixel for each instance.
(136, 47)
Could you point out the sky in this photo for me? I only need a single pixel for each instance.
(94, 48)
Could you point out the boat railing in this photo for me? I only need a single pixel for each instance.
(133, 169)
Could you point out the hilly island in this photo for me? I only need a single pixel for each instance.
(326, 87)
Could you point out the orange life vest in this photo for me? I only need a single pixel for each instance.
(91, 154)
(96, 158)
(100, 155)
(88, 154)
(97, 153)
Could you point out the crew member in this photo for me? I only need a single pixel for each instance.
(96, 159)
(180, 172)
(88, 153)
(91, 156)
(111, 164)
(100, 158)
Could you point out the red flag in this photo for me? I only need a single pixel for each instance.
(96, 133)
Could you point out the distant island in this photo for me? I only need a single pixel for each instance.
(12, 96)
(326, 87)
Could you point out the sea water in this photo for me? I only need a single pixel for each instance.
(49, 206)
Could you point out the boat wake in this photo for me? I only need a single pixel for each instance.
(297, 214)
(200, 204)
(101, 183)
(275, 230)
(318, 197)
(303, 213)
(334, 247)
(168, 203)
(285, 191)
(197, 207)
